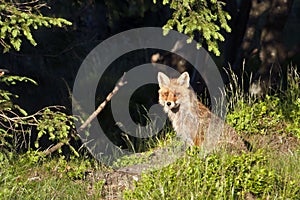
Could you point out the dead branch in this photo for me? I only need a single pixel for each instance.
(120, 83)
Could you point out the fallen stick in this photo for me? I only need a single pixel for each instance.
(120, 83)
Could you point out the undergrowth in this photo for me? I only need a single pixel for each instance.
(260, 174)
(218, 176)
(278, 113)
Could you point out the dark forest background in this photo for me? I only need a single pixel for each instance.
(265, 34)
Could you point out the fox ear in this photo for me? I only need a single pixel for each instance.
(184, 79)
(163, 79)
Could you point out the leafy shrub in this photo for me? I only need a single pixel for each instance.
(257, 117)
(278, 113)
(16, 124)
(58, 126)
(215, 177)
(11, 123)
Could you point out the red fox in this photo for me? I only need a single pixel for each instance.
(190, 118)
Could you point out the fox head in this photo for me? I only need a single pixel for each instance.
(173, 91)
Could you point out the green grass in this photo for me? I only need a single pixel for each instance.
(269, 171)
(53, 178)
(219, 176)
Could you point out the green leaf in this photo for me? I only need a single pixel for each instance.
(16, 43)
(199, 45)
(165, 2)
(36, 144)
(166, 31)
(190, 39)
(23, 112)
(15, 32)
(3, 30)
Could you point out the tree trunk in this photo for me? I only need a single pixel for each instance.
(263, 35)
(272, 51)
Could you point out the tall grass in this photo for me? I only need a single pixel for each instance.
(277, 113)
(261, 174)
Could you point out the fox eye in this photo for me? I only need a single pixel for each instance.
(176, 94)
(166, 93)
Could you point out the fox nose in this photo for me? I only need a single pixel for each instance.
(168, 103)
